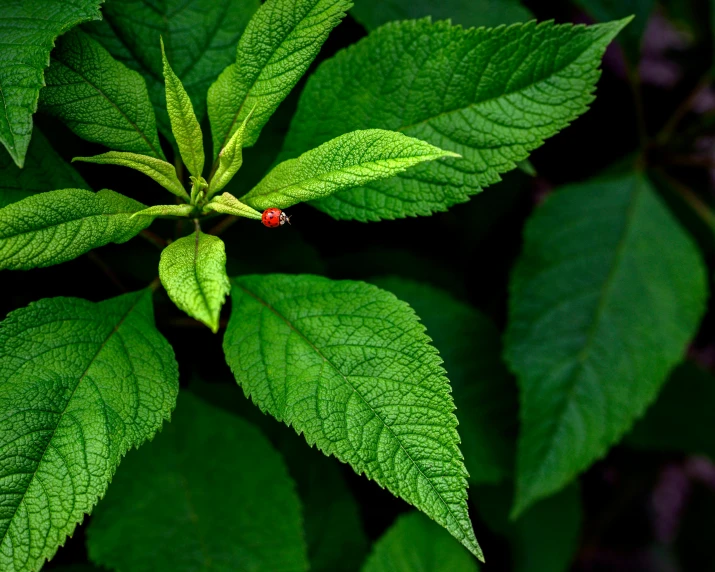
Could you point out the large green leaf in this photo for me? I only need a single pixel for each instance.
(44, 170)
(347, 161)
(200, 37)
(331, 519)
(415, 543)
(680, 419)
(491, 95)
(605, 10)
(607, 294)
(279, 44)
(543, 539)
(57, 226)
(99, 98)
(468, 13)
(193, 271)
(28, 29)
(208, 493)
(349, 366)
(80, 384)
(484, 393)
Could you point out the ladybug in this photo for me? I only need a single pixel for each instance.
(273, 218)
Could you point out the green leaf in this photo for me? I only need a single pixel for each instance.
(29, 29)
(200, 38)
(347, 161)
(280, 42)
(193, 271)
(349, 366)
(687, 397)
(546, 537)
(331, 519)
(80, 384)
(230, 158)
(57, 226)
(99, 98)
(468, 13)
(228, 204)
(605, 10)
(484, 392)
(491, 95)
(608, 292)
(416, 543)
(184, 124)
(208, 493)
(166, 210)
(44, 170)
(162, 172)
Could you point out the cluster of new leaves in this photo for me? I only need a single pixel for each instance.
(414, 118)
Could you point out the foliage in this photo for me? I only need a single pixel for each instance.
(82, 384)
(601, 309)
(516, 361)
(188, 488)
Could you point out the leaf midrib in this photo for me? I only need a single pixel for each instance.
(105, 96)
(195, 266)
(80, 219)
(227, 136)
(500, 95)
(603, 300)
(352, 387)
(319, 178)
(114, 330)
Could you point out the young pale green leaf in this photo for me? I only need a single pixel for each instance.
(228, 204)
(200, 38)
(605, 10)
(208, 493)
(184, 125)
(166, 210)
(99, 98)
(350, 367)
(162, 172)
(688, 397)
(279, 44)
(28, 29)
(484, 392)
(546, 537)
(80, 384)
(607, 294)
(414, 542)
(44, 170)
(347, 161)
(230, 158)
(193, 271)
(57, 226)
(491, 95)
(468, 13)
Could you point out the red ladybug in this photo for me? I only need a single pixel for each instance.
(273, 218)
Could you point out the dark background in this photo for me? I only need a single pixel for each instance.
(468, 251)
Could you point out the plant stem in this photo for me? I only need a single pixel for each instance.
(700, 208)
(223, 225)
(635, 85)
(682, 110)
(109, 273)
(154, 284)
(155, 239)
(691, 161)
